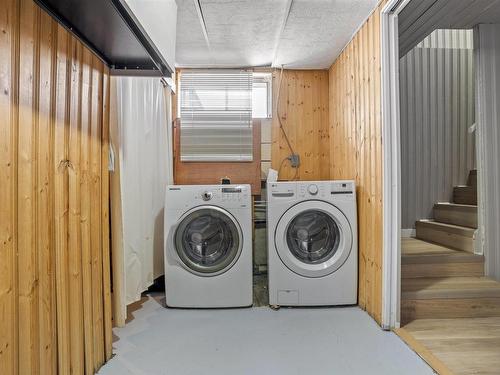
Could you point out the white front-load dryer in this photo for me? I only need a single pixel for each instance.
(312, 243)
(208, 246)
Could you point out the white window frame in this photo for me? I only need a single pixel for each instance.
(267, 79)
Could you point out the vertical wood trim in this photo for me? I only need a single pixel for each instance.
(44, 216)
(95, 209)
(86, 107)
(60, 203)
(106, 264)
(27, 247)
(8, 198)
(75, 256)
(356, 148)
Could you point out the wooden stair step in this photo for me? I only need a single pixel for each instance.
(449, 235)
(450, 287)
(414, 246)
(449, 297)
(465, 195)
(424, 259)
(457, 214)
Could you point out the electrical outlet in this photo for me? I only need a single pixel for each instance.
(294, 160)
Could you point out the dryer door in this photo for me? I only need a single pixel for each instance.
(208, 240)
(313, 238)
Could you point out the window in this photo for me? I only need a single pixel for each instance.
(261, 95)
(216, 115)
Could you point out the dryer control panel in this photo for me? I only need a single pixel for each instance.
(215, 194)
(228, 196)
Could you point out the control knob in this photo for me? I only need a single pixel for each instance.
(312, 189)
(207, 195)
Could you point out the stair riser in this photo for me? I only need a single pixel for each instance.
(449, 308)
(462, 217)
(440, 236)
(411, 271)
(465, 195)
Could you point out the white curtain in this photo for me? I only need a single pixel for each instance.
(145, 157)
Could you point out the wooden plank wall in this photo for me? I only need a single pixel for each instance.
(303, 108)
(55, 311)
(356, 148)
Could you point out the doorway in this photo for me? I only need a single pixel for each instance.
(439, 280)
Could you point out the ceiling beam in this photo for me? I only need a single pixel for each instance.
(288, 8)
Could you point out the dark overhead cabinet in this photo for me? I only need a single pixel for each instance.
(112, 31)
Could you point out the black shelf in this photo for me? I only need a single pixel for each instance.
(111, 31)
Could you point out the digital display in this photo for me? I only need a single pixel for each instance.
(231, 190)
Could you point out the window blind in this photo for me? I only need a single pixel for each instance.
(216, 115)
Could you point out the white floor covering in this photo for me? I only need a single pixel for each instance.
(257, 341)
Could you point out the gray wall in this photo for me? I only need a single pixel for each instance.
(437, 109)
(488, 75)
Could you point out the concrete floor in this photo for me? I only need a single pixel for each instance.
(257, 341)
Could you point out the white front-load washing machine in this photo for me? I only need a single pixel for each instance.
(312, 243)
(208, 246)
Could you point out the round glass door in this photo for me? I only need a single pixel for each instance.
(313, 239)
(313, 236)
(208, 240)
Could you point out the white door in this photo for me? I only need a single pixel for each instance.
(207, 240)
(313, 238)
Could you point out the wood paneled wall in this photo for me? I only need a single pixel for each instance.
(303, 108)
(55, 311)
(356, 148)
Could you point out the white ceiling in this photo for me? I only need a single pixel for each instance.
(300, 34)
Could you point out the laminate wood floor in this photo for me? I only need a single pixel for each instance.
(464, 346)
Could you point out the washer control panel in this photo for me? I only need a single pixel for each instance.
(322, 190)
(281, 190)
(311, 189)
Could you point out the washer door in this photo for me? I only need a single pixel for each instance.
(208, 240)
(313, 238)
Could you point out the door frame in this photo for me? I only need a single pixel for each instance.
(391, 251)
(486, 241)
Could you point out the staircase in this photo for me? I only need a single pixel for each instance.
(441, 275)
